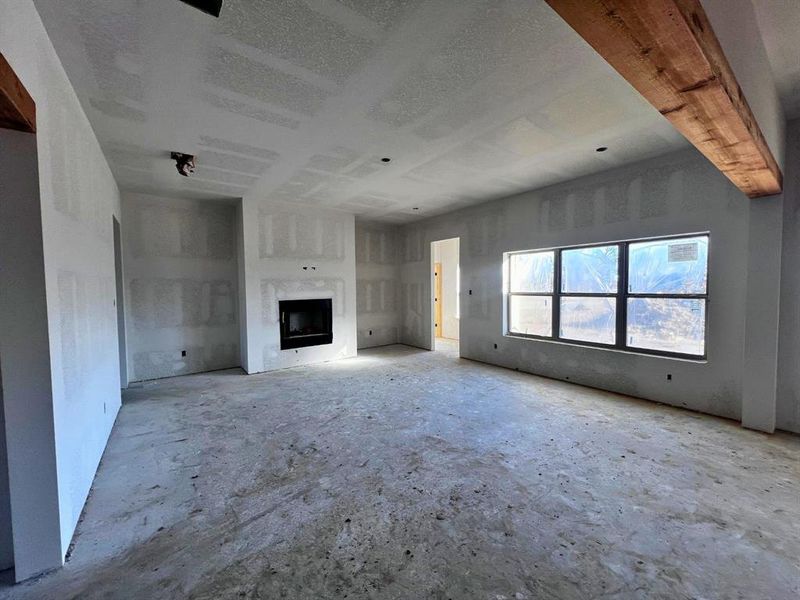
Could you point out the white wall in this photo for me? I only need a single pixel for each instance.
(446, 253)
(293, 253)
(78, 198)
(6, 540)
(736, 27)
(673, 194)
(25, 360)
(377, 277)
(788, 402)
(181, 285)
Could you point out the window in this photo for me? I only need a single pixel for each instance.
(648, 296)
(530, 305)
(667, 295)
(589, 285)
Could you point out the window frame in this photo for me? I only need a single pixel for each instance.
(621, 296)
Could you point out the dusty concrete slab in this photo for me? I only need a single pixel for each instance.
(411, 474)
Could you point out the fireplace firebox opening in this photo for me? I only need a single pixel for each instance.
(306, 323)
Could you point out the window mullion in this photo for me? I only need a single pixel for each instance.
(557, 295)
(622, 297)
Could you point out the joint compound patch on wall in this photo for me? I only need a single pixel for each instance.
(483, 233)
(617, 196)
(377, 336)
(85, 323)
(376, 295)
(478, 303)
(159, 303)
(583, 206)
(413, 315)
(165, 231)
(292, 235)
(275, 290)
(556, 213)
(411, 246)
(376, 246)
(67, 199)
(697, 185)
(72, 319)
(377, 284)
(158, 364)
(657, 190)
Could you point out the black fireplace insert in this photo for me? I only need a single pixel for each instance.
(306, 323)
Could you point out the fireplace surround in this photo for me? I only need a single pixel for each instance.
(306, 323)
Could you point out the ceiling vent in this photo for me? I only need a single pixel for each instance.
(212, 7)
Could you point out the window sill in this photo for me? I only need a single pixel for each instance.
(607, 349)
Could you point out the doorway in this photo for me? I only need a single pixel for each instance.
(445, 297)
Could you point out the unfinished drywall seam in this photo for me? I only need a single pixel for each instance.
(182, 279)
(377, 284)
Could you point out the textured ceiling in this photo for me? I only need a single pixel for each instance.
(297, 100)
(779, 21)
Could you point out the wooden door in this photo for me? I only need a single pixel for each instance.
(437, 299)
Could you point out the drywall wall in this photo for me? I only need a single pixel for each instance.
(788, 401)
(25, 352)
(290, 253)
(673, 194)
(446, 253)
(181, 281)
(6, 540)
(377, 289)
(78, 197)
(119, 298)
(761, 317)
(736, 27)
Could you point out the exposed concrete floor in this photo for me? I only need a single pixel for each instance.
(411, 474)
(446, 345)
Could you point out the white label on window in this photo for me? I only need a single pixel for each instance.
(682, 252)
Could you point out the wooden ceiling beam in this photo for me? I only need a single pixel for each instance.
(668, 51)
(17, 108)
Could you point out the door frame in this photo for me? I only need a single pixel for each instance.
(434, 304)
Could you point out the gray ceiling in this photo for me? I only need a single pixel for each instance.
(297, 100)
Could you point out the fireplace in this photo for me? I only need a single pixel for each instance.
(306, 323)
